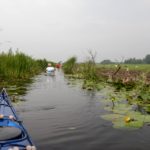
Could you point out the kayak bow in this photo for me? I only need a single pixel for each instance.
(16, 137)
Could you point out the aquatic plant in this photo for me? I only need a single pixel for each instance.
(123, 116)
(70, 65)
(89, 71)
(132, 83)
(127, 108)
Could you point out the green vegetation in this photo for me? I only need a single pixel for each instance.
(69, 66)
(128, 120)
(86, 71)
(18, 66)
(130, 88)
(124, 108)
(16, 72)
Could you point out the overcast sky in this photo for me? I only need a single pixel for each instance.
(58, 29)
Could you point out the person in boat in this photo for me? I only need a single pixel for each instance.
(50, 69)
(58, 65)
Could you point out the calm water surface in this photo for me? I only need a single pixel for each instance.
(60, 116)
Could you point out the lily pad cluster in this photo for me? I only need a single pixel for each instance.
(123, 116)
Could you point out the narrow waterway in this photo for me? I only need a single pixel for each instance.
(61, 116)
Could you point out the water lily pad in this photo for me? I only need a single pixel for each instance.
(120, 112)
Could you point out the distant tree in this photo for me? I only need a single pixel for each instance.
(133, 61)
(147, 59)
(106, 61)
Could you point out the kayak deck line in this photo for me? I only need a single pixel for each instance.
(10, 119)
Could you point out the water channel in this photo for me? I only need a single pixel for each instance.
(62, 116)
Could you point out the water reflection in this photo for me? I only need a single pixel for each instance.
(50, 78)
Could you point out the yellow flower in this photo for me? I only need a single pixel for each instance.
(127, 119)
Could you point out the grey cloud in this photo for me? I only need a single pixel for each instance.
(57, 29)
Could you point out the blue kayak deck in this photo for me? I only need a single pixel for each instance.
(9, 119)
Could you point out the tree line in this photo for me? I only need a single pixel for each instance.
(145, 60)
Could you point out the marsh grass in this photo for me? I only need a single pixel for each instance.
(15, 66)
(69, 66)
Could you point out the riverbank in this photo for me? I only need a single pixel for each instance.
(130, 88)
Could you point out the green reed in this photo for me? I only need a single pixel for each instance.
(19, 65)
(70, 65)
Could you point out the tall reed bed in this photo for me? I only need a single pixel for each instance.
(18, 65)
(86, 71)
(70, 65)
(89, 71)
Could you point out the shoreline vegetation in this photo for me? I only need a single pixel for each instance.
(126, 88)
(17, 70)
(19, 66)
